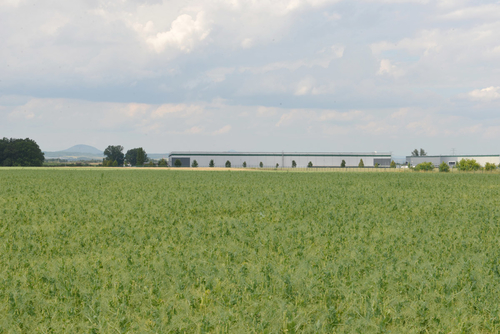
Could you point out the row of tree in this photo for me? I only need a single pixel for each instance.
(134, 157)
(20, 152)
(463, 165)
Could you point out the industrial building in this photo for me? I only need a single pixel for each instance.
(452, 160)
(283, 159)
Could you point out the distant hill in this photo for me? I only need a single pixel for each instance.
(83, 149)
(77, 153)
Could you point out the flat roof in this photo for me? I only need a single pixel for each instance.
(292, 154)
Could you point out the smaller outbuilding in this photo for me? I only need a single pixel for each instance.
(452, 160)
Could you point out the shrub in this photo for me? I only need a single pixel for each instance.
(468, 164)
(393, 164)
(294, 164)
(277, 165)
(261, 164)
(194, 164)
(342, 164)
(228, 164)
(443, 167)
(425, 166)
(376, 165)
(310, 164)
(244, 164)
(162, 163)
(490, 166)
(361, 163)
(177, 163)
(211, 164)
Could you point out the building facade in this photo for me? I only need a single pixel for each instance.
(452, 160)
(283, 159)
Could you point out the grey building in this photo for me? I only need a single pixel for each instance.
(452, 160)
(284, 159)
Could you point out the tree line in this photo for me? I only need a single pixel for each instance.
(114, 157)
(20, 152)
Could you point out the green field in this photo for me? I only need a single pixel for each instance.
(156, 251)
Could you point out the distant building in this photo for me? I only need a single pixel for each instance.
(284, 159)
(452, 160)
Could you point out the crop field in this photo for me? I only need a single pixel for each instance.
(164, 251)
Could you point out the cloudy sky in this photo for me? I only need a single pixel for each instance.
(252, 75)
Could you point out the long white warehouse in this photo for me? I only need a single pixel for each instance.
(283, 159)
(452, 160)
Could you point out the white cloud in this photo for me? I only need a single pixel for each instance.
(485, 94)
(483, 12)
(386, 67)
(224, 129)
(247, 43)
(185, 33)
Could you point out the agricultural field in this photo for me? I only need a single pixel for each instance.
(163, 251)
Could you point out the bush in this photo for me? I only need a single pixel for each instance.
(211, 164)
(425, 166)
(177, 163)
(393, 164)
(468, 165)
(244, 164)
(310, 164)
(361, 163)
(228, 164)
(294, 164)
(490, 166)
(376, 165)
(162, 163)
(342, 164)
(261, 164)
(443, 167)
(277, 165)
(194, 164)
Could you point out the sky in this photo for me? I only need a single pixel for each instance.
(252, 75)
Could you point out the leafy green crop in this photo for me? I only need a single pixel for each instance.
(155, 251)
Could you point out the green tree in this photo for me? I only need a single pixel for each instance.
(393, 164)
(177, 163)
(294, 164)
(443, 167)
(211, 164)
(376, 165)
(136, 157)
(162, 163)
(20, 152)
(151, 163)
(244, 164)
(490, 166)
(142, 157)
(194, 164)
(115, 153)
(131, 157)
(228, 164)
(115, 163)
(468, 165)
(342, 164)
(422, 152)
(414, 153)
(310, 164)
(361, 163)
(425, 166)
(261, 164)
